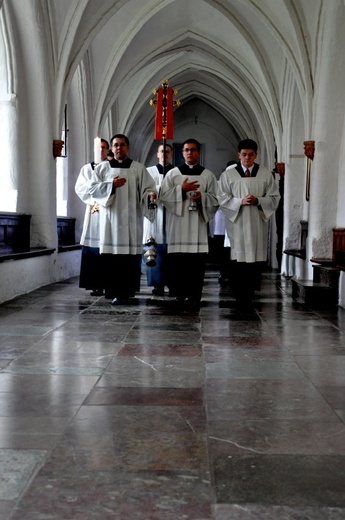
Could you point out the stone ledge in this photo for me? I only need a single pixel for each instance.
(299, 253)
(34, 252)
(326, 262)
(73, 247)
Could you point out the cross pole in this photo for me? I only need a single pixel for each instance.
(164, 123)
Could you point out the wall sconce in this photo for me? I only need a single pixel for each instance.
(57, 147)
(309, 150)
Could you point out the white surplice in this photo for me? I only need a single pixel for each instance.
(121, 212)
(247, 226)
(90, 233)
(186, 229)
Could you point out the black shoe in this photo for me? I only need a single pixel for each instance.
(158, 291)
(223, 280)
(194, 303)
(121, 300)
(117, 301)
(246, 311)
(96, 292)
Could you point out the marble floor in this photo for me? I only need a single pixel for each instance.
(151, 411)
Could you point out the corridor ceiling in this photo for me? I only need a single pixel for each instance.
(242, 57)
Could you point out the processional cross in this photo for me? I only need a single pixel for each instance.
(164, 122)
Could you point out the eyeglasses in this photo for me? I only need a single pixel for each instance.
(119, 145)
(189, 150)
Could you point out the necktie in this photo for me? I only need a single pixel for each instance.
(247, 174)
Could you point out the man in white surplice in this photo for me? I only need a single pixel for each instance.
(189, 194)
(123, 189)
(248, 195)
(91, 269)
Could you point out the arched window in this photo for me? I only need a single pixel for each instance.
(8, 123)
(62, 172)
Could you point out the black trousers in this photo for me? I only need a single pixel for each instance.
(246, 278)
(122, 275)
(91, 269)
(187, 272)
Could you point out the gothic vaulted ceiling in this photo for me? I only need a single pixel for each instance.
(234, 55)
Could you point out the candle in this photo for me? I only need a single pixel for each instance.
(97, 150)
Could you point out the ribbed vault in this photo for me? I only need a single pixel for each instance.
(232, 54)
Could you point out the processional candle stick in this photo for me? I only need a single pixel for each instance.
(97, 150)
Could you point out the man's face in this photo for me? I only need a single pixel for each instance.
(190, 154)
(168, 154)
(119, 148)
(247, 157)
(104, 151)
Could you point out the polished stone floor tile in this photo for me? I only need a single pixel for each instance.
(144, 421)
(258, 512)
(323, 370)
(250, 342)
(232, 354)
(289, 399)
(266, 369)
(25, 433)
(141, 371)
(264, 436)
(166, 336)
(289, 480)
(18, 404)
(24, 330)
(20, 342)
(52, 369)
(112, 495)
(161, 350)
(185, 451)
(316, 347)
(61, 359)
(16, 466)
(59, 348)
(334, 395)
(92, 335)
(145, 396)
(273, 409)
(56, 384)
(149, 411)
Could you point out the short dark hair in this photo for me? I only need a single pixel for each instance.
(120, 136)
(230, 163)
(247, 144)
(166, 146)
(194, 141)
(105, 141)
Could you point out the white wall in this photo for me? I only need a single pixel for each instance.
(23, 276)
